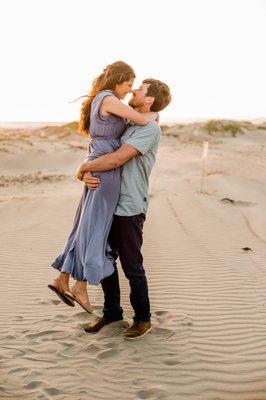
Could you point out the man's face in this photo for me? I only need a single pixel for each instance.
(139, 97)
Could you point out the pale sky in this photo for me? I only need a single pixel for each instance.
(210, 52)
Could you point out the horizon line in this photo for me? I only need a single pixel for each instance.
(163, 121)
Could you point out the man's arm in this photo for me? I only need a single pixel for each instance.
(110, 160)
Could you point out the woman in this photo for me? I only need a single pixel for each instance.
(86, 256)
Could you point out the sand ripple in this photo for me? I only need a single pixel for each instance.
(208, 300)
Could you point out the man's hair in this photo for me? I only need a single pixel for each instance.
(161, 93)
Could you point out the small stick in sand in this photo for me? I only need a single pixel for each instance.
(203, 158)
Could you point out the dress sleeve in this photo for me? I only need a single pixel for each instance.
(98, 100)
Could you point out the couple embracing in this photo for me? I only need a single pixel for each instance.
(112, 209)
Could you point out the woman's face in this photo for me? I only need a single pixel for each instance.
(124, 88)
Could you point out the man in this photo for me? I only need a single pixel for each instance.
(137, 157)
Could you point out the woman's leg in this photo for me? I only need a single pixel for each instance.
(61, 282)
(79, 292)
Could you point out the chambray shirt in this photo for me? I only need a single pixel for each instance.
(134, 197)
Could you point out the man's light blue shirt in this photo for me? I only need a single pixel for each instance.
(134, 197)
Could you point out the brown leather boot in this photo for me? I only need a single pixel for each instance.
(137, 330)
(97, 326)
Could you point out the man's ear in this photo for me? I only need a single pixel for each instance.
(149, 100)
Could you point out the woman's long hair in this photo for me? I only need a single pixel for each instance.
(112, 75)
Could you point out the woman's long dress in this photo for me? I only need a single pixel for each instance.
(87, 254)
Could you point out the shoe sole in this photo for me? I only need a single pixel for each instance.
(61, 296)
(71, 297)
(137, 337)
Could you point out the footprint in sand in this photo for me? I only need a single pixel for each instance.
(18, 369)
(91, 349)
(33, 385)
(106, 354)
(60, 317)
(166, 317)
(163, 316)
(162, 333)
(171, 362)
(68, 350)
(168, 324)
(151, 394)
(51, 391)
(41, 334)
(113, 345)
(82, 316)
(182, 320)
(21, 372)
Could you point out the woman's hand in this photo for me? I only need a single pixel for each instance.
(91, 181)
(152, 115)
(155, 115)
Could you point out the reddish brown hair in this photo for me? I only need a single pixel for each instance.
(112, 75)
(161, 93)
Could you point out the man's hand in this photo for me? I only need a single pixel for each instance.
(90, 181)
(80, 172)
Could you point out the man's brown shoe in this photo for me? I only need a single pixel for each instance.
(137, 330)
(97, 326)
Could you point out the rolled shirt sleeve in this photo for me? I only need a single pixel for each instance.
(144, 138)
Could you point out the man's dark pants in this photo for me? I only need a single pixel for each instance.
(125, 239)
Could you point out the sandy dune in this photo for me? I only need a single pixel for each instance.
(208, 295)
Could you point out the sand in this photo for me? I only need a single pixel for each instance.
(208, 295)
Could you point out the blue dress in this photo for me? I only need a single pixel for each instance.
(87, 254)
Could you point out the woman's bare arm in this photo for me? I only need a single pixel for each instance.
(112, 105)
